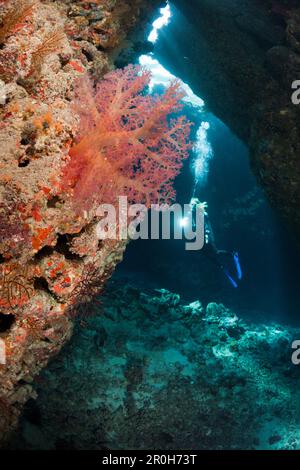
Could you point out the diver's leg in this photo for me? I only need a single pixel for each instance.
(235, 257)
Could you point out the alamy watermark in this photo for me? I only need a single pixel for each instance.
(165, 222)
(2, 352)
(296, 94)
(296, 353)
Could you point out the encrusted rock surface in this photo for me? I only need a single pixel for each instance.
(51, 259)
(151, 372)
(241, 57)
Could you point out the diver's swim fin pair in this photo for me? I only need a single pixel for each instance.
(238, 268)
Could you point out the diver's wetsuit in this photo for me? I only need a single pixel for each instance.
(211, 251)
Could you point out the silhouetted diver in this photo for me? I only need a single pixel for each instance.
(211, 251)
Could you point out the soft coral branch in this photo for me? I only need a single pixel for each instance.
(127, 144)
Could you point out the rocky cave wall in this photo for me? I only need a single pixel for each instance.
(241, 57)
(50, 258)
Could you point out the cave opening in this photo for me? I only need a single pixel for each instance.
(219, 171)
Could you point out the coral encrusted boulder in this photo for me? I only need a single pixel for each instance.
(51, 261)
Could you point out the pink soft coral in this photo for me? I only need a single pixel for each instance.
(127, 145)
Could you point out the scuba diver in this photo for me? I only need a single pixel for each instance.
(222, 258)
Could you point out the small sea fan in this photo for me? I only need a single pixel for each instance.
(14, 18)
(85, 300)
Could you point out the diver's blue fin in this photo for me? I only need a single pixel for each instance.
(231, 280)
(238, 265)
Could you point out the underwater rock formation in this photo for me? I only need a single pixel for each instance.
(242, 57)
(151, 372)
(50, 261)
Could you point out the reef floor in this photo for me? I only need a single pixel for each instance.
(150, 372)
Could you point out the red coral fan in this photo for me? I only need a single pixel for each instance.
(127, 144)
